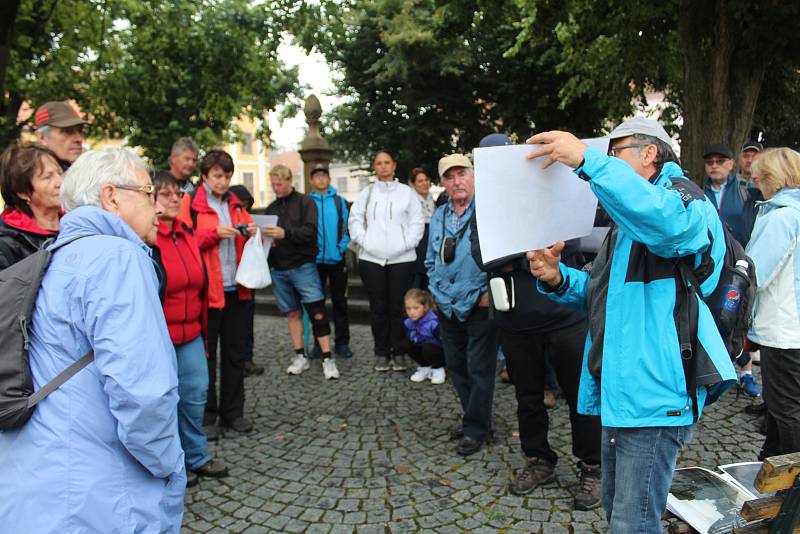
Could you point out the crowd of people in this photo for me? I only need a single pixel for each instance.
(159, 254)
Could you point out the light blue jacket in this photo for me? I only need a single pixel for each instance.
(331, 248)
(642, 382)
(773, 248)
(456, 286)
(101, 453)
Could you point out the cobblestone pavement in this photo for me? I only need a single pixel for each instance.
(369, 453)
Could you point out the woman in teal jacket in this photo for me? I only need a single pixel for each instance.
(101, 453)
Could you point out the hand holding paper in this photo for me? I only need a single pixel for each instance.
(558, 146)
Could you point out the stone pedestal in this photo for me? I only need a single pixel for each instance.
(314, 149)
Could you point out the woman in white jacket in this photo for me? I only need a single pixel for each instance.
(386, 223)
(776, 313)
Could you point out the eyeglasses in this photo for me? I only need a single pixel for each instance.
(716, 161)
(147, 189)
(170, 194)
(614, 150)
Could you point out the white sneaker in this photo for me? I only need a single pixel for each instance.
(329, 368)
(438, 376)
(421, 374)
(298, 365)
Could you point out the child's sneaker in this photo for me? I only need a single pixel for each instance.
(421, 374)
(438, 376)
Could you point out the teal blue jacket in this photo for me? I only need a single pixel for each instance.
(633, 375)
(329, 221)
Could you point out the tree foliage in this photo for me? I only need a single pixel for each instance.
(424, 78)
(154, 70)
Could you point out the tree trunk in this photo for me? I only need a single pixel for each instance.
(8, 17)
(720, 87)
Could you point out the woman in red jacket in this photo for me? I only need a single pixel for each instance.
(184, 288)
(221, 226)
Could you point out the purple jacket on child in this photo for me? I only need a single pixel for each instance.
(424, 331)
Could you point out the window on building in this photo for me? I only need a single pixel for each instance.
(341, 183)
(247, 180)
(247, 143)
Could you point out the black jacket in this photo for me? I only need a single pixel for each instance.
(16, 244)
(297, 215)
(533, 312)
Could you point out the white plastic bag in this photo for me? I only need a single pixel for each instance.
(253, 271)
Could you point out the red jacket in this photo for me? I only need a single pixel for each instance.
(184, 301)
(205, 230)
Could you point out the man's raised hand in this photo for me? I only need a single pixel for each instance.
(558, 146)
(544, 264)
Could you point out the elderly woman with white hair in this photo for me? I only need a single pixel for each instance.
(101, 453)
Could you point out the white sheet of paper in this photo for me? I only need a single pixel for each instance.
(262, 221)
(520, 207)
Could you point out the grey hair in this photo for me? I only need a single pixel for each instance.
(93, 169)
(43, 131)
(664, 151)
(184, 143)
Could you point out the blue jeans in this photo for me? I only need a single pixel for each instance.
(192, 390)
(637, 468)
(470, 353)
(296, 286)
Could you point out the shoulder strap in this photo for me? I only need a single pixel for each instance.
(62, 377)
(339, 210)
(192, 211)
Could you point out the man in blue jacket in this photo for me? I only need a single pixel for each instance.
(648, 388)
(332, 240)
(461, 292)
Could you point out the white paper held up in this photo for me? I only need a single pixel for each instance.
(262, 221)
(520, 207)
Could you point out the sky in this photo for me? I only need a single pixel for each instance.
(314, 73)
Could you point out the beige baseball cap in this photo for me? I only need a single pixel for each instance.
(453, 160)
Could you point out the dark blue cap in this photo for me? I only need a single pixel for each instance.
(495, 139)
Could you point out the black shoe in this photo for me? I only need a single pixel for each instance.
(756, 409)
(212, 432)
(240, 424)
(468, 446)
(534, 473)
(343, 351)
(457, 432)
(588, 495)
(191, 479)
(212, 468)
(251, 369)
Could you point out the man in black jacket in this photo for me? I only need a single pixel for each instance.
(531, 329)
(295, 280)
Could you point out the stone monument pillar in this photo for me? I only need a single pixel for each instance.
(314, 149)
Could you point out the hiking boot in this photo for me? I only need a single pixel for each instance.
(421, 374)
(251, 369)
(212, 468)
(588, 494)
(749, 385)
(343, 351)
(382, 364)
(298, 365)
(240, 424)
(438, 376)
(399, 362)
(535, 473)
(550, 396)
(329, 369)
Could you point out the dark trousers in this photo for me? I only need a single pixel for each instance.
(780, 373)
(420, 272)
(386, 286)
(250, 311)
(470, 351)
(526, 357)
(336, 275)
(228, 328)
(425, 354)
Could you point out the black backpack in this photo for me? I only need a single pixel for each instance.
(19, 286)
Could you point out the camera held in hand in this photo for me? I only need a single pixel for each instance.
(242, 228)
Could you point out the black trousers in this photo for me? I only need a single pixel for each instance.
(780, 373)
(227, 327)
(386, 286)
(250, 310)
(425, 355)
(525, 359)
(333, 278)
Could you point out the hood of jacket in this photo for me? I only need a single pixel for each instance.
(24, 222)
(92, 220)
(331, 192)
(784, 198)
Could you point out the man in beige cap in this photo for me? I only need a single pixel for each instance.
(60, 128)
(460, 288)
